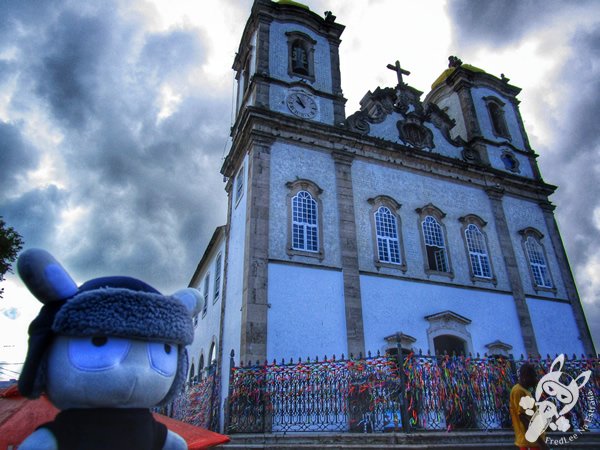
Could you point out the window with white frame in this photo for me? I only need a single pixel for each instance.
(537, 262)
(478, 255)
(386, 228)
(433, 238)
(217, 287)
(305, 231)
(305, 219)
(239, 185)
(205, 306)
(435, 245)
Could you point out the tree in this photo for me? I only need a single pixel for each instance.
(11, 243)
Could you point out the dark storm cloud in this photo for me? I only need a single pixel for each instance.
(17, 156)
(145, 187)
(503, 22)
(67, 76)
(575, 167)
(35, 215)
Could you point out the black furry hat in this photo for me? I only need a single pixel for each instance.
(109, 306)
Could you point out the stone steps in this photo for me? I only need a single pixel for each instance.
(494, 440)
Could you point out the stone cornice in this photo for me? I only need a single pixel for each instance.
(256, 121)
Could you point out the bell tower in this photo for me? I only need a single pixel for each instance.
(288, 62)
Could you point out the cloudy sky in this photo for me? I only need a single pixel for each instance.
(115, 116)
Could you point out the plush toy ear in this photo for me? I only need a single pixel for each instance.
(559, 361)
(191, 298)
(44, 276)
(583, 378)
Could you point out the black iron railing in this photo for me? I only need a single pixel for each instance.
(372, 394)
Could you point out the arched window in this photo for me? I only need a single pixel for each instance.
(305, 221)
(299, 58)
(476, 244)
(433, 235)
(305, 232)
(205, 305)
(496, 112)
(212, 354)
(201, 367)
(536, 256)
(301, 49)
(388, 249)
(435, 245)
(388, 245)
(191, 376)
(217, 286)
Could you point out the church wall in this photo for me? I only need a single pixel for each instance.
(289, 163)
(206, 331)
(521, 214)
(412, 191)
(485, 122)
(278, 49)
(555, 327)
(235, 271)
(306, 314)
(393, 305)
(495, 155)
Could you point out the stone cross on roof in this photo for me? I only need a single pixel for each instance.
(399, 71)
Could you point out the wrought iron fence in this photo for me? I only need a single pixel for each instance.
(586, 413)
(372, 394)
(198, 404)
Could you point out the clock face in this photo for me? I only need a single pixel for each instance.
(302, 105)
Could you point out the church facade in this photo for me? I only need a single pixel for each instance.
(415, 222)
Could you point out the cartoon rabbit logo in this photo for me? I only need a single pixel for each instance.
(558, 395)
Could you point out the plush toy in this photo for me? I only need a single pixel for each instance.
(104, 353)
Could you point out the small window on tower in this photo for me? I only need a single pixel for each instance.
(299, 58)
(496, 112)
(510, 162)
(301, 49)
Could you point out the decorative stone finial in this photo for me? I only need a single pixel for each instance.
(454, 61)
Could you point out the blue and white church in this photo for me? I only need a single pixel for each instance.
(419, 222)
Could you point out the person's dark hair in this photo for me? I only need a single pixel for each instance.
(527, 375)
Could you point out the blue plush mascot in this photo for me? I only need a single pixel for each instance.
(105, 353)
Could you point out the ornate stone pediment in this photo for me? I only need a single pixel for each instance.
(412, 132)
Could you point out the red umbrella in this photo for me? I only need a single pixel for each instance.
(19, 417)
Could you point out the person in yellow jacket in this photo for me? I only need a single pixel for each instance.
(520, 420)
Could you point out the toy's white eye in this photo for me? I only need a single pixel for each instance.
(163, 358)
(97, 353)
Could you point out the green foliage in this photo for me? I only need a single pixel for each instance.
(11, 243)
